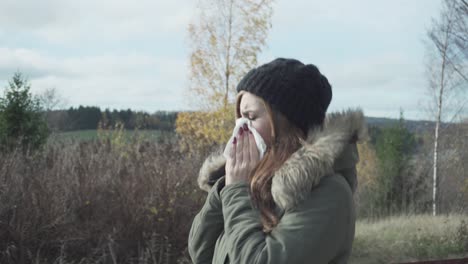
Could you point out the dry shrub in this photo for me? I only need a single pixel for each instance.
(87, 202)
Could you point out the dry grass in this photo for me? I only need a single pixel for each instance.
(409, 238)
(97, 202)
(110, 202)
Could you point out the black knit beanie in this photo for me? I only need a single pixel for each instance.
(298, 91)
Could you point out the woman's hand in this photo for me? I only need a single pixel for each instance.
(243, 157)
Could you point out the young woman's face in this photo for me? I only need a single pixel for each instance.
(252, 107)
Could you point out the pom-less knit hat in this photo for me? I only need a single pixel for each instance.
(298, 91)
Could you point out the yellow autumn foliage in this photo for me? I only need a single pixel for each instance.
(200, 130)
(367, 166)
(225, 37)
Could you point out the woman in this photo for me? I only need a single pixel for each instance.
(295, 205)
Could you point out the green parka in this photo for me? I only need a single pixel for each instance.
(313, 192)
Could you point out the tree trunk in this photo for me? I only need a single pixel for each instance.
(228, 57)
(435, 185)
(436, 136)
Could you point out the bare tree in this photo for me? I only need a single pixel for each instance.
(51, 100)
(461, 27)
(447, 71)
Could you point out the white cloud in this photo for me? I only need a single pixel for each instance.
(30, 15)
(381, 84)
(391, 70)
(136, 81)
(34, 63)
(369, 15)
(69, 21)
(369, 50)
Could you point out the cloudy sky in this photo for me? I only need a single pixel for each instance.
(134, 54)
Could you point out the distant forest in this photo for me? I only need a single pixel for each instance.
(91, 117)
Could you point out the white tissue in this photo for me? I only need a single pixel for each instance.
(261, 146)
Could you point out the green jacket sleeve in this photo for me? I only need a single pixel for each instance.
(206, 227)
(313, 232)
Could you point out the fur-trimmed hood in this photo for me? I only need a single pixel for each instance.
(327, 151)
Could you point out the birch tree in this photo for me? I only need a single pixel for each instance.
(447, 72)
(226, 38)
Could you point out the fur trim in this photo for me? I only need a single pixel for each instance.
(212, 170)
(315, 159)
(304, 169)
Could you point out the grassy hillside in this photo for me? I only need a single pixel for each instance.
(410, 238)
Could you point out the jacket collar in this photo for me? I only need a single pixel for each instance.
(324, 152)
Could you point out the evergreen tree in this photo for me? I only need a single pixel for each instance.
(21, 121)
(394, 148)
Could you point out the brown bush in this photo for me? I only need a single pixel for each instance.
(90, 202)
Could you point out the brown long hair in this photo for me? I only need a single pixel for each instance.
(286, 139)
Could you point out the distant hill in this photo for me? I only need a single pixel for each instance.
(415, 126)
